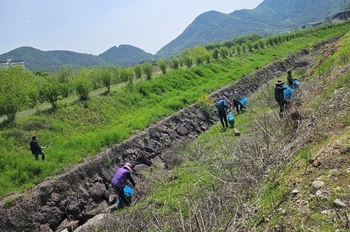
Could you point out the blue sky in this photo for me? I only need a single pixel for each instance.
(93, 26)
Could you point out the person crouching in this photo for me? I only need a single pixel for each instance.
(118, 182)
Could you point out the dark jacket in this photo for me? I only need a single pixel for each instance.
(290, 79)
(279, 93)
(35, 147)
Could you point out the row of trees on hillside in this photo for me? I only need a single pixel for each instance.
(22, 89)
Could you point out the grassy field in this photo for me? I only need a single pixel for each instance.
(83, 128)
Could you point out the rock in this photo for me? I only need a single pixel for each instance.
(43, 228)
(93, 221)
(295, 192)
(322, 194)
(92, 209)
(237, 133)
(339, 203)
(68, 225)
(181, 130)
(316, 185)
(97, 191)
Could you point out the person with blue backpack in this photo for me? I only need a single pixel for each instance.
(222, 111)
(122, 175)
(290, 79)
(292, 83)
(236, 100)
(279, 96)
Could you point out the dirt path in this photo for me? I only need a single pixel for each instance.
(46, 106)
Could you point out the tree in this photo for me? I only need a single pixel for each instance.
(82, 85)
(186, 56)
(238, 49)
(200, 54)
(249, 45)
(224, 52)
(17, 90)
(244, 47)
(162, 65)
(64, 75)
(147, 70)
(174, 63)
(51, 91)
(216, 53)
(105, 77)
(138, 71)
(261, 43)
(126, 74)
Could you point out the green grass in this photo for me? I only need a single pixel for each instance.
(82, 129)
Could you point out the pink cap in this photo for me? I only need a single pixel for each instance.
(128, 166)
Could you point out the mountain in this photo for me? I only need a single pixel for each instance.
(125, 55)
(269, 18)
(35, 59)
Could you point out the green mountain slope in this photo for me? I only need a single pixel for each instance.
(35, 59)
(125, 55)
(270, 17)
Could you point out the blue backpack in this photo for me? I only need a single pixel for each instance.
(296, 84)
(128, 194)
(288, 92)
(244, 101)
(230, 117)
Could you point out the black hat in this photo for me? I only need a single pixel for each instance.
(279, 82)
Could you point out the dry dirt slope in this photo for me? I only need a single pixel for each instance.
(313, 189)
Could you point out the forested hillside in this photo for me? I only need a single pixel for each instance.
(271, 17)
(37, 60)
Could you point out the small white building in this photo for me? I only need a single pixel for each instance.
(10, 62)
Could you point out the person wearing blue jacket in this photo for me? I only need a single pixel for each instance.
(222, 111)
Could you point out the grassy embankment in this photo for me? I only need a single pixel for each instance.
(82, 129)
(220, 185)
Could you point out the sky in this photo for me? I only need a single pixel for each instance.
(94, 26)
